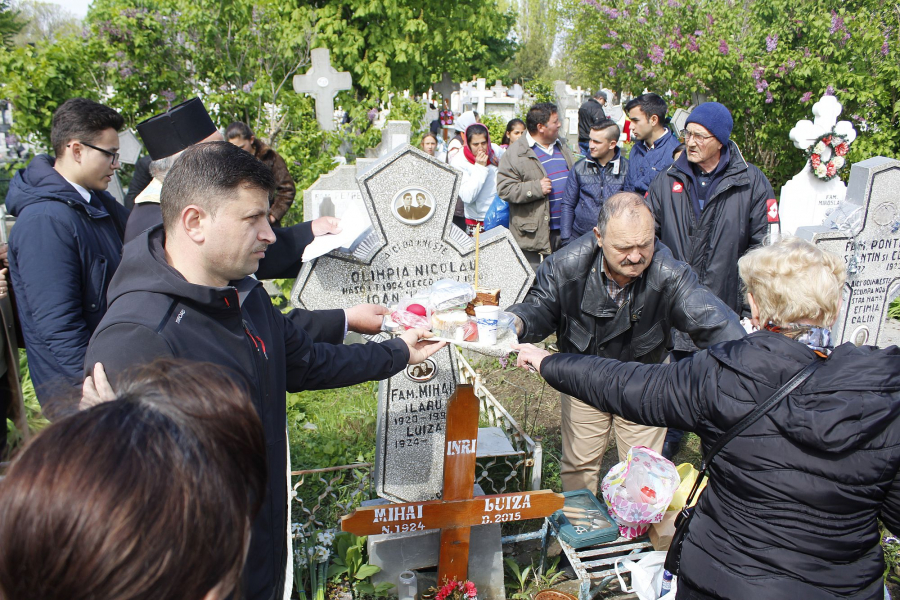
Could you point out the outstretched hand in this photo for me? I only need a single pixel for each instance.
(366, 318)
(420, 350)
(324, 225)
(530, 357)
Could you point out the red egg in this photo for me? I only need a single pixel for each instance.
(417, 309)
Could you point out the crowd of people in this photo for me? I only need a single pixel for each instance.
(674, 306)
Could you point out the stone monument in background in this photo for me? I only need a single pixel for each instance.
(806, 199)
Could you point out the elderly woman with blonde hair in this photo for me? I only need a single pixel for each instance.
(793, 500)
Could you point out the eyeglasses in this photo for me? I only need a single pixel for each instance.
(687, 135)
(113, 155)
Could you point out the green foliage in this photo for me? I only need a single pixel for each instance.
(11, 22)
(894, 309)
(767, 60)
(408, 44)
(496, 125)
(526, 582)
(536, 28)
(349, 562)
(36, 419)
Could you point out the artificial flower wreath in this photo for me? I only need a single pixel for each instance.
(835, 148)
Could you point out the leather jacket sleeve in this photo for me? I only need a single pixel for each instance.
(698, 312)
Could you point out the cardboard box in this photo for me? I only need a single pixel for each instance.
(661, 533)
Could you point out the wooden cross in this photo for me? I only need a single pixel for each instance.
(457, 511)
(446, 87)
(323, 82)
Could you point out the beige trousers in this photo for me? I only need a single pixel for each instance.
(585, 436)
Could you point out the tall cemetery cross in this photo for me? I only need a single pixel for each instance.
(446, 87)
(323, 82)
(457, 511)
(479, 94)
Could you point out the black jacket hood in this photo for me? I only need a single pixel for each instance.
(845, 403)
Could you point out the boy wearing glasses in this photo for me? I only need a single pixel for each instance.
(67, 241)
(711, 207)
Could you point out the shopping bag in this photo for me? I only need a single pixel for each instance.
(646, 576)
(688, 475)
(638, 490)
(497, 214)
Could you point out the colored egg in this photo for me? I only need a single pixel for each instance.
(416, 309)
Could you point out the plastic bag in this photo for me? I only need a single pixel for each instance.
(688, 475)
(646, 576)
(449, 293)
(497, 214)
(638, 490)
(409, 320)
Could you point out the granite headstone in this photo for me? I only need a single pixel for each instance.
(398, 258)
(865, 230)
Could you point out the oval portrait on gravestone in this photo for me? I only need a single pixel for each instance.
(413, 206)
(422, 372)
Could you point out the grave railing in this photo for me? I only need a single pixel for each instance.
(321, 496)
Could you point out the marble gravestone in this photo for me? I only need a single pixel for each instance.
(866, 232)
(399, 257)
(129, 151)
(393, 135)
(806, 199)
(335, 192)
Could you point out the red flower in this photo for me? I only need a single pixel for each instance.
(827, 140)
(830, 169)
(815, 160)
(842, 149)
(471, 592)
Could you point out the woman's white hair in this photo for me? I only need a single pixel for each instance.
(794, 281)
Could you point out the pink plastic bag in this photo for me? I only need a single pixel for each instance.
(638, 490)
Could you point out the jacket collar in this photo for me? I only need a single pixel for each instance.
(595, 299)
(735, 173)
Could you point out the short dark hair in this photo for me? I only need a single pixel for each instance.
(619, 203)
(209, 174)
(83, 120)
(614, 132)
(539, 114)
(650, 104)
(238, 129)
(601, 94)
(115, 501)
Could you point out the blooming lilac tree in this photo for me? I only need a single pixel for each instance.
(765, 60)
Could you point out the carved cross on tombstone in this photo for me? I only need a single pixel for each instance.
(867, 235)
(499, 89)
(479, 94)
(446, 87)
(323, 82)
(517, 91)
(457, 511)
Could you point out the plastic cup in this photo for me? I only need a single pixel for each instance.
(486, 318)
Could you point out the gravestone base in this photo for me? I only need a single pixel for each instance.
(398, 552)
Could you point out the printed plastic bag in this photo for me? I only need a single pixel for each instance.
(497, 214)
(646, 576)
(638, 490)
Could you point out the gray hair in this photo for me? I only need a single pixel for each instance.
(160, 168)
(601, 94)
(619, 203)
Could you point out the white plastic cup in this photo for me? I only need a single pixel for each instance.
(486, 318)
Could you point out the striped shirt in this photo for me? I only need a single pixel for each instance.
(558, 171)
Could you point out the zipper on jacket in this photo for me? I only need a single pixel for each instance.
(261, 356)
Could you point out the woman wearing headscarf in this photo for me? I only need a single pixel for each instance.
(792, 504)
(478, 163)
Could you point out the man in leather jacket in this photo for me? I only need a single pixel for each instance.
(616, 293)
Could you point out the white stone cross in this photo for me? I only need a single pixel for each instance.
(806, 199)
(480, 93)
(446, 87)
(499, 89)
(516, 91)
(323, 82)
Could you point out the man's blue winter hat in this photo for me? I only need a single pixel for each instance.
(716, 118)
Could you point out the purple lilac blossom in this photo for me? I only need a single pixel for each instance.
(723, 47)
(657, 54)
(771, 43)
(806, 97)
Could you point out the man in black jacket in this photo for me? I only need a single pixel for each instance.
(183, 290)
(616, 296)
(589, 114)
(711, 207)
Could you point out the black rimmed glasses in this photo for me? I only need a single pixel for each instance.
(113, 155)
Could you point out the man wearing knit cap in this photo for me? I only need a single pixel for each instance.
(711, 207)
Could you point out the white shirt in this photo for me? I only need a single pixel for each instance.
(85, 194)
(531, 142)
